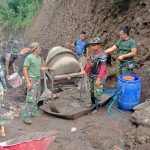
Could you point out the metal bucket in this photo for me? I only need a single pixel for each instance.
(15, 80)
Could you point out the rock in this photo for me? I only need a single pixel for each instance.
(142, 105)
(139, 20)
(9, 115)
(141, 116)
(147, 99)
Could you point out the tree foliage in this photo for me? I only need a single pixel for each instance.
(17, 13)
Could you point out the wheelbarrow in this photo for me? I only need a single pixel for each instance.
(30, 141)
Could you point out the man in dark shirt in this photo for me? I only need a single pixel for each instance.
(96, 67)
(8, 63)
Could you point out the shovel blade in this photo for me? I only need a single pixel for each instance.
(46, 94)
(53, 108)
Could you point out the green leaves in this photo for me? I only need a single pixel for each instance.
(17, 13)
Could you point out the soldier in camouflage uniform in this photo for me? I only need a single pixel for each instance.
(2, 120)
(2, 82)
(32, 66)
(8, 65)
(96, 67)
(127, 49)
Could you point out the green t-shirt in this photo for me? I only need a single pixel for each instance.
(33, 63)
(125, 47)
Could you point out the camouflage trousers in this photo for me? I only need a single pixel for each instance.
(124, 68)
(1, 94)
(32, 98)
(2, 120)
(2, 76)
(96, 91)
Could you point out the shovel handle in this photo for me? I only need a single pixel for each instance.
(51, 78)
(50, 74)
(52, 87)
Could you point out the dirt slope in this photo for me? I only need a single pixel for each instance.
(61, 21)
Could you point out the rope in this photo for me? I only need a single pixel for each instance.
(115, 94)
(114, 99)
(118, 112)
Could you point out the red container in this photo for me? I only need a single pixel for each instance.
(1, 148)
(31, 141)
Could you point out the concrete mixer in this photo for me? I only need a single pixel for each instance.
(64, 62)
(66, 68)
(72, 88)
(72, 97)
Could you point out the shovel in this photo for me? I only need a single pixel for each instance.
(81, 86)
(47, 94)
(52, 106)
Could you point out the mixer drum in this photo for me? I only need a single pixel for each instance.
(63, 61)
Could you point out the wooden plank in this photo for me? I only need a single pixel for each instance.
(105, 98)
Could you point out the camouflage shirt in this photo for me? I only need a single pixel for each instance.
(125, 47)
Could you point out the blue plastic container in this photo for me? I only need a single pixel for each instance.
(129, 92)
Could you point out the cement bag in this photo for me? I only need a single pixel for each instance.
(63, 61)
(14, 80)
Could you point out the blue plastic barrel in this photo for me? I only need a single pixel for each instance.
(129, 92)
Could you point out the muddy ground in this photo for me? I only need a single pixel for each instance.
(60, 24)
(95, 131)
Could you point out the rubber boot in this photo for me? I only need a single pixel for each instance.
(97, 105)
(92, 99)
(27, 120)
(35, 112)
